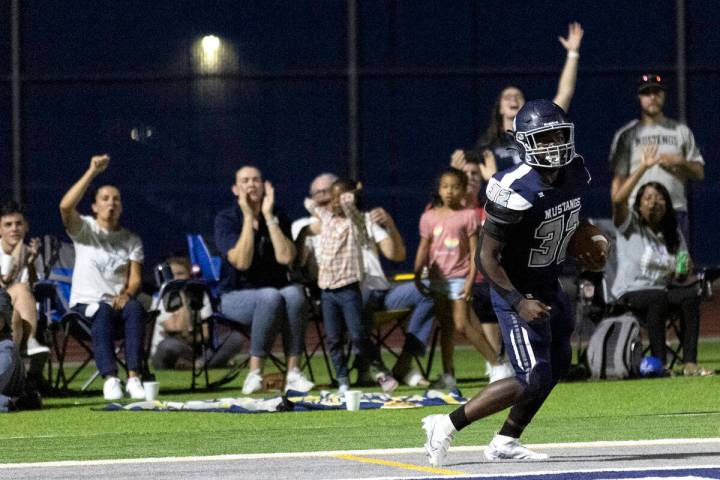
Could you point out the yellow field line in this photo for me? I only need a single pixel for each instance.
(406, 466)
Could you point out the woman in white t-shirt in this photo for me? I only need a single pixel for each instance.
(106, 278)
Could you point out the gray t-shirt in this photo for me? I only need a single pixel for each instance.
(644, 261)
(672, 138)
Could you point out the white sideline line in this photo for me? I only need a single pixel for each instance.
(548, 472)
(331, 453)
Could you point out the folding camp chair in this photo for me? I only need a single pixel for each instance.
(64, 324)
(209, 266)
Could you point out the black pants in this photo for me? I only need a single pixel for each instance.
(656, 305)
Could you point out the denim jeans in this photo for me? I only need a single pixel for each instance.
(105, 322)
(404, 295)
(12, 373)
(342, 307)
(268, 311)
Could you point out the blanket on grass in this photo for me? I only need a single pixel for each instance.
(295, 401)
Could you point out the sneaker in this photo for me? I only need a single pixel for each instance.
(111, 389)
(415, 379)
(253, 382)
(135, 389)
(501, 371)
(440, 432)
(444, 382)
(509, 448)
(35, 348)
(387, 382)
(343, 385)
(295, 380)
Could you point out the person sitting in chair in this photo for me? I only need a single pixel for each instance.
(254, 241)
(172, 342)
(654, 269)
(106, 278)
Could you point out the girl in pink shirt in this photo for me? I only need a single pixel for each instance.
(448, 240)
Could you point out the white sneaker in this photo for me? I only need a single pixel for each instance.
(386, 382)
(135, 389)
(415, 379)
(509, 448)
(111, 389)
(252, 383)
(501, 371)
(295, 380)
(35, 348)
(444, 382)
(440, 432)
(343, 385)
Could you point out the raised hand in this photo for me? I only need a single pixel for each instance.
(649, 156)
(33, 250)
(268, 202)
(98, 163)
(489, 166)
(381, 217)
(244, 203)
(457, 159)
(574, 38)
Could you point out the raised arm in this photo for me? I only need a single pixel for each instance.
(568, 76)
(68, 204)
(282, 245)
(623, 187)
(392, 247)
(240, 255)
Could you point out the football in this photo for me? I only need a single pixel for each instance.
(588, 243)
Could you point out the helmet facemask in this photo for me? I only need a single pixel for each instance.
(542, 150)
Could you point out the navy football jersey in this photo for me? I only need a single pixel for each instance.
(535, 247)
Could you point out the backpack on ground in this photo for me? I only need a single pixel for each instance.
(615, 349)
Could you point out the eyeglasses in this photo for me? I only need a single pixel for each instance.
(322, 191)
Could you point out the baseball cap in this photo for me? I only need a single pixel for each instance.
(650, 80)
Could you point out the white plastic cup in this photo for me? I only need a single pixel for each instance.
(152, 389)
(352, 400)
(6, 264)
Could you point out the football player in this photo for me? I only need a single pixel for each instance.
(532, 211)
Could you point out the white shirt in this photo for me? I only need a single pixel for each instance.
(102, 261)
(23, 276)
(163, 315)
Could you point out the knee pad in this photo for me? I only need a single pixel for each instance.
(539, 378)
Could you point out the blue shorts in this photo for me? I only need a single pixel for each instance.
(546, 341)
(449, 288)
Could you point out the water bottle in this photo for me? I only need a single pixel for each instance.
(681, 265)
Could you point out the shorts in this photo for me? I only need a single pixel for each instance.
(530, 343)
(450, 288)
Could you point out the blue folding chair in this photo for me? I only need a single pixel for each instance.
(210, 271)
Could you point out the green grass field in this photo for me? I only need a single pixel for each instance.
(68, 428)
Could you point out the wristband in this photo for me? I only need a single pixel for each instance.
(271, 221)
(573, 54)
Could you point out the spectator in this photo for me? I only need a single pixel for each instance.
(19, 279)
(448, 239)
(172, 342)
(679, 157)
(494, 149)
(254, 240)
(106, 278)
(377, 292)
(343, 235)
(649, 246)
(13, 391)
(307, 243)
(482, 310)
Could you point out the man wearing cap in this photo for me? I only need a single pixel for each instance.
(679, 159)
